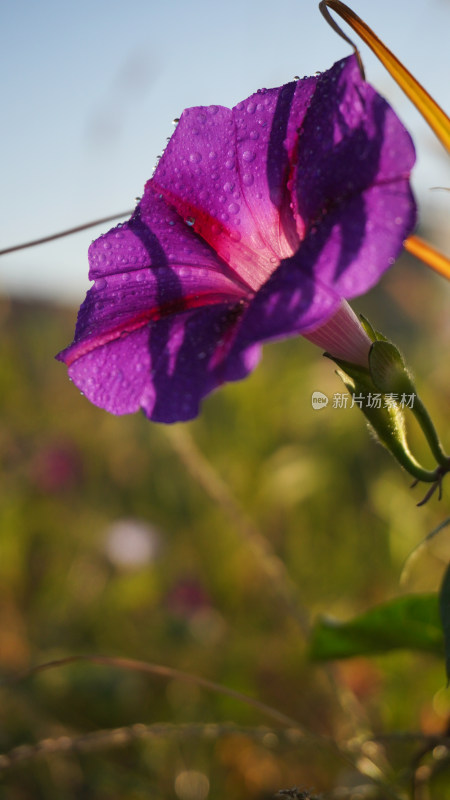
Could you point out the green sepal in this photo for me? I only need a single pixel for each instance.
(388, 370)
(373, 335)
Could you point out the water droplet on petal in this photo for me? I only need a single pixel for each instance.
(248, 155)
(195, 158)
(247, 179)
(101, 283)
(233, 208)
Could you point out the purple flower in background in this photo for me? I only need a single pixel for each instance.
(256, 224)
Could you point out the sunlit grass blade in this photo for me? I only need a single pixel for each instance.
(429, 255)
(437, 119)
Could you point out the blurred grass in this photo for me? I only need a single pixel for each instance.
(325, 498)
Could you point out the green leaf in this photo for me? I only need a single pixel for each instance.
(408, 622)
(444, 607)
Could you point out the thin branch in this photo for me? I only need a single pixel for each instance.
(134, 665)
(215, 487)
(292, 732)
(67, 232)
(279, 580)
(331, 22)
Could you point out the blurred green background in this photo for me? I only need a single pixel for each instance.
(121, 537)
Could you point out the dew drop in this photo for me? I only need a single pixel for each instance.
(101, 283)
(233, 208)
(247, 179)
(248, 155)
(251, 108)
(195, 158)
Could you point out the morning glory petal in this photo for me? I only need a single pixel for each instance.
(228, 171)
(166, 368)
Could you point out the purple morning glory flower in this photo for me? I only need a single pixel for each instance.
(258, 221)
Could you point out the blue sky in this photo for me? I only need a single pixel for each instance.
(90, 90)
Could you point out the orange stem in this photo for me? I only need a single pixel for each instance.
(429, 255)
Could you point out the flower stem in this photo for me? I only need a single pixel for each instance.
(425, 422)
(406, 459)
